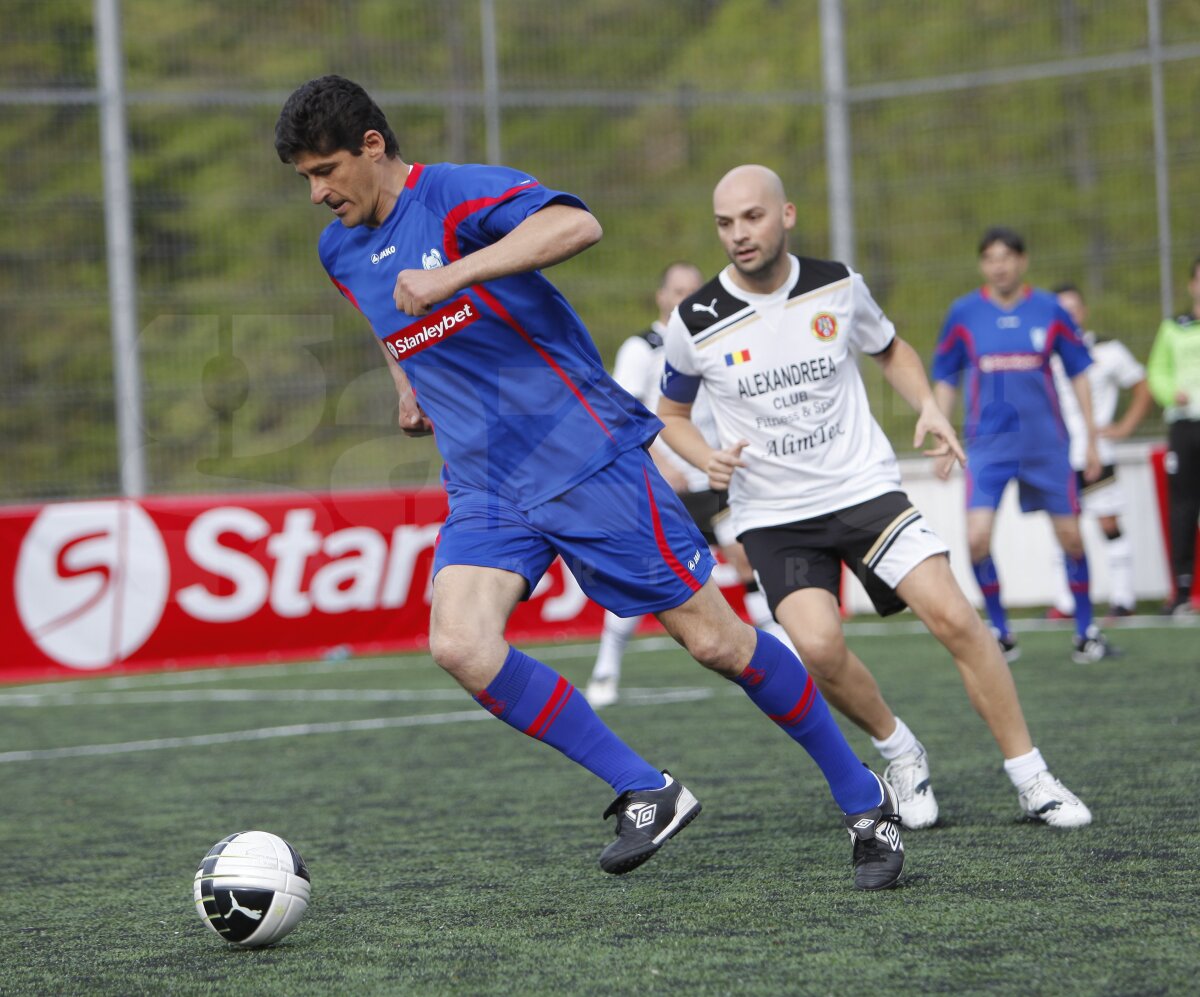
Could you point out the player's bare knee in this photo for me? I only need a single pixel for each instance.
(955, 623)
(823, 653)
(455, 649)
(723, 649)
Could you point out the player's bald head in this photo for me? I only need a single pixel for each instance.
(753, 218)
(750, 183)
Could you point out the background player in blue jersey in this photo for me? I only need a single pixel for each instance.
(545, 455)
(1001, 337)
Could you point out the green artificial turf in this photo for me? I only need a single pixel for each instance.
(457, 857)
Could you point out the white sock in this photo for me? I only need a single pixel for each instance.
(1064, 601)
(1120, 572)
(899, 742)
(1024, 767)
(613, 638)
(760, 616)
(757, 608)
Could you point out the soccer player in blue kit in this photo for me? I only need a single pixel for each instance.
(544, 455)
(1001, 337)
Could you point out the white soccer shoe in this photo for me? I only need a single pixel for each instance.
(601, 693)
(1046, 799)
(909, 777)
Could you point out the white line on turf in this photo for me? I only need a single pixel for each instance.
(632, 697)
(342, 666)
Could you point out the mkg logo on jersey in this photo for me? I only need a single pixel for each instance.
(824, 326)
(733, 359)
(414, 338)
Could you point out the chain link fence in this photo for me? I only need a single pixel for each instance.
(1038, 114)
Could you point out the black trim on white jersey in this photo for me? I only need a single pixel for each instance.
(713, 305)
(815, 274)
(653, 337)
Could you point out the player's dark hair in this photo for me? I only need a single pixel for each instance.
(328, 114)
(1068, 288)
(1006, 236)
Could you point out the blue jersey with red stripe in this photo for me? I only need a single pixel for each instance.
(518, 396)
(1009, 399)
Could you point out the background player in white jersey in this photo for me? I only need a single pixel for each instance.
(638, 369)
(1113, 370)
(814, 482)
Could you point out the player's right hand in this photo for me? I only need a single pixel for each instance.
(722, 463)
(417, 291)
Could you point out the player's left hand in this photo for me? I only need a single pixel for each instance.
(417, 291)
(932, 422)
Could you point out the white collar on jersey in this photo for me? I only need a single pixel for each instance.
(761, 299)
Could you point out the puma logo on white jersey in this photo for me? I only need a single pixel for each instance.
(711, 308)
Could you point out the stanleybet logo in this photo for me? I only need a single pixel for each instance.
(431, 329)
(92, 581)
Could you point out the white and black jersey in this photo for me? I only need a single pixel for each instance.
(638, 369)
(781, 371)
(1113, 369)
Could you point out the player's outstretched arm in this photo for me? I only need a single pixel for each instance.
(904, 371)
(1139, 405)
(555, 233)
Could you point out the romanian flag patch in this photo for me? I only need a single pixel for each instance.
(741, 356)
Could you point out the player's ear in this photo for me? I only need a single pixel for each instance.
(789, 216)
(373, 145)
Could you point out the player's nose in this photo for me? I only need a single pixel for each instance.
(317, 191)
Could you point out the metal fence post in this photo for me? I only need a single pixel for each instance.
(491, 79)
(838, 162)
(121, 253)
(1162, 173)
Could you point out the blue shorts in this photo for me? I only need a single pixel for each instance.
(622, 533)
(1046, 481)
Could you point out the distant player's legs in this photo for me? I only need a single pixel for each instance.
(980, 523)
(1066, 529)
(1119, 553)
(1183, 490)
(471, 606)
(606, 672)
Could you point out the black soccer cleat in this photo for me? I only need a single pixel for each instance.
(878, 851)
(646, 818)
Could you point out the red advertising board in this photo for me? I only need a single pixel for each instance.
(112, 585)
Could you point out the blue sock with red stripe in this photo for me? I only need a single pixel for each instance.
(989, 585)
(537, 701)
(779, 685)
(1077, 578)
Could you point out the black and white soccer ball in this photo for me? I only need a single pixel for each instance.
(252, 888)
